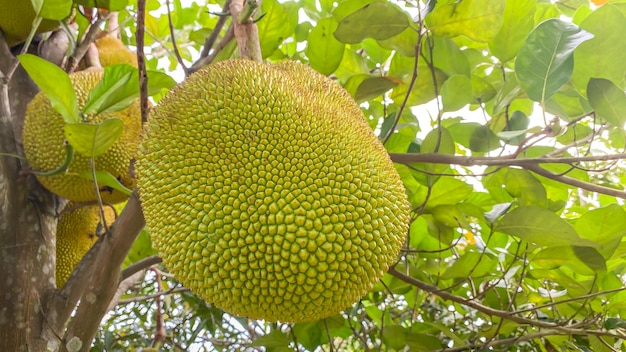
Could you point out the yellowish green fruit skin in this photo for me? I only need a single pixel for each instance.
(112, 51)
(266, 192)
(44, 145)
(77, 231)
(16, 21)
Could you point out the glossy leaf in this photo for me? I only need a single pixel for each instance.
(545, 62)
(456, 92)
(541, 227)
(53, 9)
(608, 101)
(517, 23)
(55, 84)
(273, 27)
(471, 264)
(604, 56)
(606, 226)
(93, 140)
(106, 179)
(324, 51)
(111, 5)
(119, 88)
(379, 20)
(479, 20)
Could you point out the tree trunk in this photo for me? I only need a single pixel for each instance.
(27, 225)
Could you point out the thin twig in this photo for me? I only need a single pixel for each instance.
(210, 40)
(567, 329)
(174, 45)
(154, 295)
(72, 62)
(140, 265)
(141, 60)
(228, 37)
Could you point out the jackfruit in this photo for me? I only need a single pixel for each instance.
(44, 145)
(16, 21)
(77, 230)
(112, 51)
(266, 192)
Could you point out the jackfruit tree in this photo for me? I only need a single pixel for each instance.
(347, 175)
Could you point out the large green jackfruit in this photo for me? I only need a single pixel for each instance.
(266, 192)
(44, 140)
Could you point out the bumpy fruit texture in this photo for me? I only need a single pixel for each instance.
(44, 145)
(16, 21)
(112, 51)
(77, 231)
(266, 192)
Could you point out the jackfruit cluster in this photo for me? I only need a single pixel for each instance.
(78, 229)
(112, 51)
(267, 193)
(44, 145)
(16, 21)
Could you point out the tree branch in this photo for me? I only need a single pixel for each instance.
(569, 330)
(88, 39)
(531, 164)
(105, 280)
(210, 40)
(139, 266)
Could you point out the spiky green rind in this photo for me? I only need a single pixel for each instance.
(77, 231)
(266, 192)
(44, 140)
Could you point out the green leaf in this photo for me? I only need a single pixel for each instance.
(604, 56)
(119, 87)
(275, 338)
(479, 20)
(439, 140)
(324, 51)
(518, 22)
(614, 323)
(273, 27)
(456, 92)
(471, 264)
(373, 87)
(591, 257)
(53, 9)
(540, 226)
(608, 101)
(545, 61)
(93, 140)
(106, 179)
(111, 5)
(483, 140)
(606, 226)
(55, 84)
(379, 20)
(556, 257)
(394, 336)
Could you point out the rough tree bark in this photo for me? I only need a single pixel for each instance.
(34, 315)
(27, 225)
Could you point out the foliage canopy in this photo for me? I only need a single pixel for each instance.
(506, 121)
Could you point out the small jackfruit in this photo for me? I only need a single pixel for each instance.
(112, 51)
(16, 21)
(44, 145)
(77, 230)
(266, 192)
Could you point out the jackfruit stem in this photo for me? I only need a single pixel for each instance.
(246, 31)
